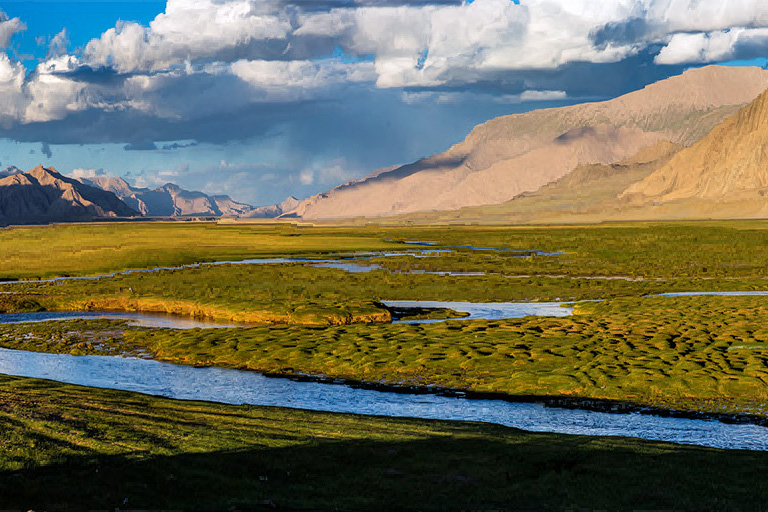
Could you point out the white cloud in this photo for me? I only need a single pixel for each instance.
(204, 58)
(292, 80)
(58, 45)
(705, 15)
(12, 98)
(188, 30)
(435, 45)
(703, 47)
(543, 95)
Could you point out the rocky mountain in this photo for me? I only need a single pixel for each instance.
(44, 195)
(169, 200)
(513, 155)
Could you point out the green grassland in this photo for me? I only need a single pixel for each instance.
(90, 249)
(653, 250)
(702, 353)
(68, 448)
(596, 262)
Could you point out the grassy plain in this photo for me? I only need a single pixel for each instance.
(70, 448)
(32, 252)
(701, 353)
(592, 262)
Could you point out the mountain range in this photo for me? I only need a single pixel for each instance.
(511, 158)
(169, 200)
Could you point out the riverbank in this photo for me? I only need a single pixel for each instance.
(78, 448)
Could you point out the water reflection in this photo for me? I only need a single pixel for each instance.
(484, 311)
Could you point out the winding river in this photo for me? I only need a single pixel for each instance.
(242, 387)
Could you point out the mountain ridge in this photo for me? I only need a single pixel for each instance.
(169, 200)
(730, 163)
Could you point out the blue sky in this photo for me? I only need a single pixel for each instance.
(261, 99)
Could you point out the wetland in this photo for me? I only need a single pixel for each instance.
(361, 306)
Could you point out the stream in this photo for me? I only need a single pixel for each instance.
(243, 387)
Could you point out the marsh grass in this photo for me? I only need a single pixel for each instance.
(692, 354)
(71, 448)
(684, 354)
(597, 262)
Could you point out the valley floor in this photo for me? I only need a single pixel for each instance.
(691, 354)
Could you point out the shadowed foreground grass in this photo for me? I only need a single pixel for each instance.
(74, 448)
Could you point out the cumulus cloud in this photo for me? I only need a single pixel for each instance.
(188, 30)
(703, 47)
(249, 64)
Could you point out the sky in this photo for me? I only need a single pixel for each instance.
(262, 99)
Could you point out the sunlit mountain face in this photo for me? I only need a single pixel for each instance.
(265, 99)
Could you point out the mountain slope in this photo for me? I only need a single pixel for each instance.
(511, 155)
(587, 194)
(729, 164)
(43, 195)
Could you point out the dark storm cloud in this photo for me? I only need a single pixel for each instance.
(620, 33)
(139, 130)
(217, 109)
(101, 75)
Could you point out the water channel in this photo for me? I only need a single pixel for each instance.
(242, 387)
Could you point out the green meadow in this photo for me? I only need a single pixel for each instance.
(690, 354)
